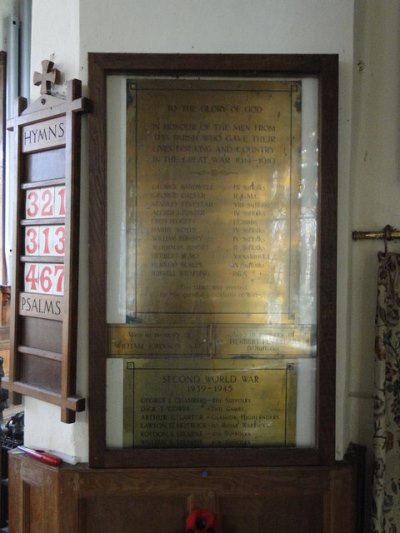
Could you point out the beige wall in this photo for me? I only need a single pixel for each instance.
(56, 36)
(7, 8)
(362, 32)
(375, 188)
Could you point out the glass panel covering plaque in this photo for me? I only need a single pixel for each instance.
(211, 254)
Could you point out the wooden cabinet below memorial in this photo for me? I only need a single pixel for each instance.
(283, 499)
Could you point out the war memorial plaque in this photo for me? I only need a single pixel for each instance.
(214, 403)
(219, 258)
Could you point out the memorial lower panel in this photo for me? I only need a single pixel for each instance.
(178, 403)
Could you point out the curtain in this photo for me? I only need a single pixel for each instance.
(386, 474)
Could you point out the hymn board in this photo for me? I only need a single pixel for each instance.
(212, 247)
(45, 250)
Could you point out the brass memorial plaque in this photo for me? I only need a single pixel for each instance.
(213, 201)
(155, 341)
(213, 340)
(219, 263)
(169, 404)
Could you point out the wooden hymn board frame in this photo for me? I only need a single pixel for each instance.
(216, 349)
(46, 247)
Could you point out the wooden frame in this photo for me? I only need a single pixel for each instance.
(43, 321)
(325, 69)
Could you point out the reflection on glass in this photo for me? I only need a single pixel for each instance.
(218, 262)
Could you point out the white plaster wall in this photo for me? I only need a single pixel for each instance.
(216, 26)
(260, 26)
(67, 31)
(55, 36)
(8, 8)
(375, 180)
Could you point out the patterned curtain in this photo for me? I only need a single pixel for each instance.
(386, 480)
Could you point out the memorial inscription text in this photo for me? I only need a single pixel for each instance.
(210, 404)
(215, 177)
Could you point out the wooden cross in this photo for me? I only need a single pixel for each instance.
(47, 78)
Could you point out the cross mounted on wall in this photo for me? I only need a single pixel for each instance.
(48, 77)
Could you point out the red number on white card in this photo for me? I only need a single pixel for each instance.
(32, 204)
(44, 278)
(59, 277)
(59, 243)
(46, 202)
(60, 201)
(31, 241)
(31, 279)
(45, 248)
(44, 240)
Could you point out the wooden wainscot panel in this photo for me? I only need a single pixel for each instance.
(33, 500)
(77, 499)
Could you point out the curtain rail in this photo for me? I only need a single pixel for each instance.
(387, 234)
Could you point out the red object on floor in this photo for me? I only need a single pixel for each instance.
(202, 521)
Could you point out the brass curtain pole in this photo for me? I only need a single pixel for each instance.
(388, 233)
